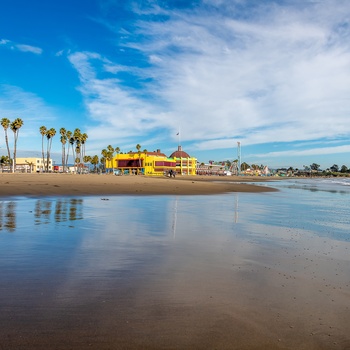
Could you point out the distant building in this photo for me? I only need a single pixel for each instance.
(185, 165)
(143, 162)
(32, 165)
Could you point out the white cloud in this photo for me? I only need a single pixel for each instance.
(21, 47)
(276, 73)
(29, 48)
(17, 103)
(308, 152)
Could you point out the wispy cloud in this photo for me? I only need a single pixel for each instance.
(21, 47)
(273, 72)
(17, 103)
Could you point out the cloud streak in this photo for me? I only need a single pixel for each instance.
(281, 74)
(21, 47)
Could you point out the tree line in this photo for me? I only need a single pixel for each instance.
(73, 144)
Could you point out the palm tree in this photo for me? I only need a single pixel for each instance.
(104, 157)
(117, 150)
(94, 161)
(77, 138)
(5, 123)
(63, 133)
(43, 132)
(69, 136)
(15, 126)
(83, 139)
(110, 155)
(49, 135)
(5, 160)
(138, 147)
(87, 159)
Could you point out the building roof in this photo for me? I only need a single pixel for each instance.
(179, 153)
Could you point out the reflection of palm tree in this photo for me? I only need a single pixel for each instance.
(15, 126)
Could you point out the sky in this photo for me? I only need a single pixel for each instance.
(205, 74)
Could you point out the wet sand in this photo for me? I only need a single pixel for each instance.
(91, 184)
(199, 293)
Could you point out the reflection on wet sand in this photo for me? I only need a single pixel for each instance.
(8, 216)
(46, 211)
(66, 209)
(175, 272)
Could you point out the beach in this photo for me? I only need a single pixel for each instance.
(237, 269)
(93, 184)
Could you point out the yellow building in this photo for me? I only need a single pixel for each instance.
(32, 165)
(146, 163)
(185, 165)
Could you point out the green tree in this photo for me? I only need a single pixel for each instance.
(138, 147)
(83, 140)
(63, 139)
(344, 169)
(49, 136)
(15, 126)
(43, 132)
(110, 155)
(69, 136)
(5, 123)
(244, 166)
(334, 168)
(94, 161)
(314, 167)
(103, 159)
(5, 160)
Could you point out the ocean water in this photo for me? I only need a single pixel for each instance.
(176, 272)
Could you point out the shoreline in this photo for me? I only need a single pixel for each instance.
(29, 185)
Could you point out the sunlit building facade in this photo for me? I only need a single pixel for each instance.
(145, 163)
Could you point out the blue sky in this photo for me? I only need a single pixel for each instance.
(273, 75)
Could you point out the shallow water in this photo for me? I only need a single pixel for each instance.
(177, 272)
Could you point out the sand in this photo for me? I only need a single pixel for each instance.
(93, 184)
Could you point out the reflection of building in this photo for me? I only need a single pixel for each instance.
(143, 162)
(32, 165)
(185, 165)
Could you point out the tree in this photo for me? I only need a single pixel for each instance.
(77, 140)
(94, 161)
(138, 147)
(5, 123)
(314, 167)
(83, 139)
(15, 126)
(244, 166)
(5, 160)
(43, 132)
(109, 155)
(117, 150)
(334, 168)
(63, 139)
(69, 135)
(344, 169)
(49, 135)
(104, 157)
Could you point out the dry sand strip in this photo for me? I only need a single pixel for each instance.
(93, 184)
